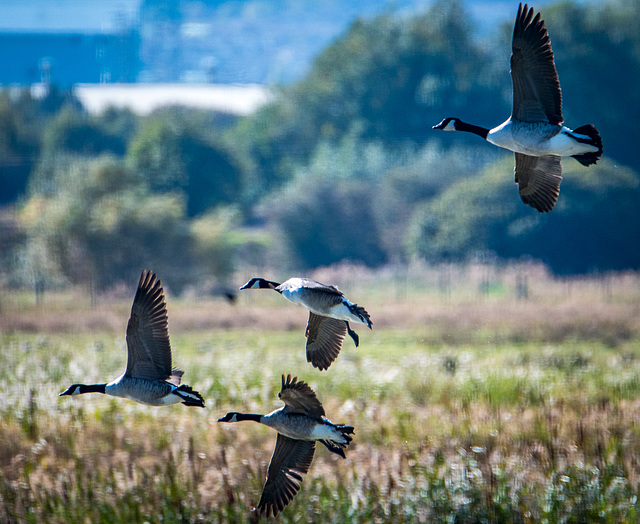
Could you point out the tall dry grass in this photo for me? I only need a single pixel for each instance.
(515, 302)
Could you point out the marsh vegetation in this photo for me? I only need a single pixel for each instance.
(472, 401)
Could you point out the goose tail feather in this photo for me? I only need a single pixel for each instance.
(594, 139)
(189, 396)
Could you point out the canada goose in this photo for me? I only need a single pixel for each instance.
(534, 131)
(299, 423)
(149, 377)
(329, 315)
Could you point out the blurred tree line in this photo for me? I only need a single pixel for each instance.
(341, 165)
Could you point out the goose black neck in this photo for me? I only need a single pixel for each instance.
(268, 284)
(470, 128)
(92, 388)
(248, 416)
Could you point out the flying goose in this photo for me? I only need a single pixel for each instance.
(329, 317)
(299, 423)
(534, 131)
(149, 377)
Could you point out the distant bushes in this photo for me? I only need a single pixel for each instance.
(104, 224)
(590, 228)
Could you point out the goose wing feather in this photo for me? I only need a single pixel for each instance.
(538, 179)
(148, 347)
(314, 284)
(536, 88)
(324, 340)
(300, 398)
(291, 459)
(312, 294)
(311, 286)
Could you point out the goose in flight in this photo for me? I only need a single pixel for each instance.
(149, 377)
(299, 423)
(534, 131)
(329, 315)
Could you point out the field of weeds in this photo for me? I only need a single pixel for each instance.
(482, 394)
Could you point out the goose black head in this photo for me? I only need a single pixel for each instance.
(72, 390)
(254, 282)
(260, 283)
(79, 389)
(448, 124)
(229, 417)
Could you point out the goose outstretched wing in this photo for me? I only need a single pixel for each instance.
(536, 88)
(324, 340)
(291, 459)
(299, 397)
(538, 179)
(148, 347)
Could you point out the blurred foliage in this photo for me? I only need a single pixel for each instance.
(342, 165)
(217, 237)
(21, 117)
(388, 78)
(597, 53)
(327, 221)
(73, 131)
(104, 224)
(422, 178)
(16, 152)
(174, 151)
(326, 213)
(101, 224)
(585, 231)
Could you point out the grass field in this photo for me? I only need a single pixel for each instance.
(482, 394)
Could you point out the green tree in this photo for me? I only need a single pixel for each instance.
(589, 228)
(174, 153)
(597, 54)
(102, 226)
(22, 121)
(389, 78)
(418, 178)
(115, 122)
(216, 240)
(328, 221)
(17, 151)
(327, 213)
(73, 131)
